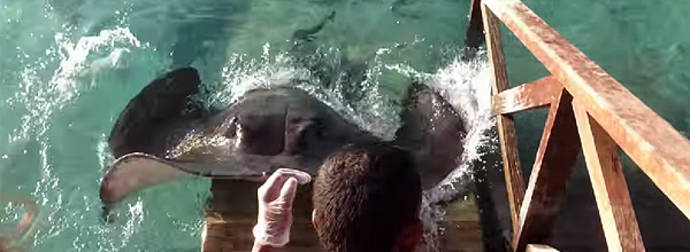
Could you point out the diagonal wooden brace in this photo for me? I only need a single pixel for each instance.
(556, 157)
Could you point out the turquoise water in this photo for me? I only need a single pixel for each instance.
(67, 68)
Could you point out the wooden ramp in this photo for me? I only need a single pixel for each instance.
(232, 215)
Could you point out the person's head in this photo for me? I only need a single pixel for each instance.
(367, 198)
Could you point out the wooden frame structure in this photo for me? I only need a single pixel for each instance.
(586, 106)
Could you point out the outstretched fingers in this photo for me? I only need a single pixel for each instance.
(276, 197)
(288, 192)
(272, 188)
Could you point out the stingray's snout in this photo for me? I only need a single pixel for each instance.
(259, 134)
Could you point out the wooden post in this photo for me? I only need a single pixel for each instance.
(540, 248)
(610, 190)
(506, 126)
(473, 36)
(556, 157)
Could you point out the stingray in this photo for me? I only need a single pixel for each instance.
(161, 135)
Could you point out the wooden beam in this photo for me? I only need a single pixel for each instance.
(536, 94)
(515, 184)
(540, 248)
(228, 227)
(608, 182)
(233, 209)
(553, 166)
(473, 35)
(660, 151)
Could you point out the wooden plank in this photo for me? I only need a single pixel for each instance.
(553, 166)
(221, 235)
(232, 216)
(474, 36)
(536, 94)
(608, 182)
(540, 248)
(462, 229)
(515, 184)
(660, 151)
(490, 195)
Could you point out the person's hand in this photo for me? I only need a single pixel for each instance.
(275, 207)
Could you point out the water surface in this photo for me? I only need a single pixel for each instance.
(67, 68)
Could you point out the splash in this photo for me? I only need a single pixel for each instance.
(466, 85)
(374, 111)
(88, 55)
(42, 97)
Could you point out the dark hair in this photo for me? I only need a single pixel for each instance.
(363, 197)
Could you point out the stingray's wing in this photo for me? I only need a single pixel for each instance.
(160, 103)
(136, 171)
(433, 131)
(133, 172)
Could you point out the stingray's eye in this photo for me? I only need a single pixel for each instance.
(231, 128)
(319, 128)
(260, 133)
(315, 130)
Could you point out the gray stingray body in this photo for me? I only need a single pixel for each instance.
(265, 130)
(161, 134)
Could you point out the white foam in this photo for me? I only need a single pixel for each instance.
(466, 85)
(374, 112)
(43, 96)
(78, 58)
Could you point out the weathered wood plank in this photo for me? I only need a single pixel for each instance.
(506, 126)
(473, 35)
(660, 151)
(553, 166)
(608, 182)
(221, 235)
(540, 248)
(536, 94)
(232, 216)
(462, 228)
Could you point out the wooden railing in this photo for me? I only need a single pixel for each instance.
(589, 111)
